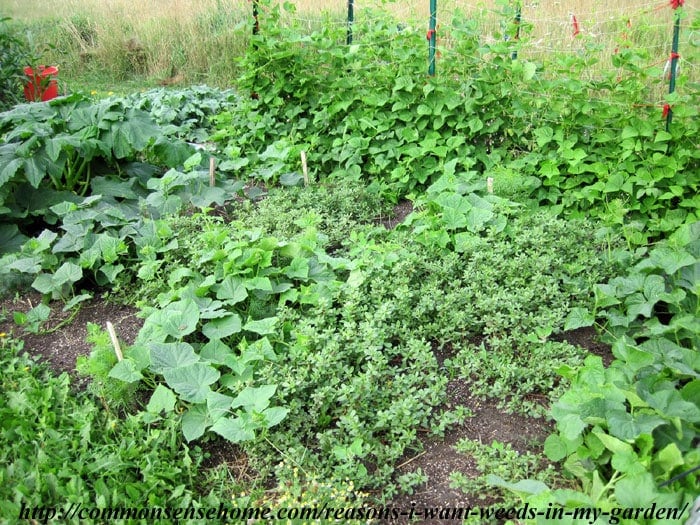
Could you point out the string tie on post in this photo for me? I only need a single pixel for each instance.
(667, 67)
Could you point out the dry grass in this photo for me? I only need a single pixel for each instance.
(163, 40)
(195, 39)
(134, 12)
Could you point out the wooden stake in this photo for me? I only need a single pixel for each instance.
(115, 341)
(212, 179)
(489, 184)
(304, 168)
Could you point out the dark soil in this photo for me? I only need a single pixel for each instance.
(489, 423)
(439, 458)
(60, 345)
(61, 342)
(400, 212)
(588, 339)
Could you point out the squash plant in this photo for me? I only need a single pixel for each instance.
(628, 432)
(50, 152)
(215, 324)
(100, 237)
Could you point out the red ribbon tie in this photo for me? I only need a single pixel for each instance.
(574, 23)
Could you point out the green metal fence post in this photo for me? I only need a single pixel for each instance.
(351, 19)
(256, 22)
(432, 37)
(675, 4)
(518, 18)
(254, 45)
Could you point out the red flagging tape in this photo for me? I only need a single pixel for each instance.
(675, 4)
(667, 109)
(429, 35)
(574, 23)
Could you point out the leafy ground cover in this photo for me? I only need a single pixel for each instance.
(274, 329)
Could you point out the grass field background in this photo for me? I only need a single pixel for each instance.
(190, 41)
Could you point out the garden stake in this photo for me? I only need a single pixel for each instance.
(256, 30)
(212, 178)
(432, 38)
(115, 341)
(304, 168)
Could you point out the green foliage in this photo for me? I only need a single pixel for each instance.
(375, 331)
(502, 462)
(298, 488)
(101, 234)
(627, 430)
(366, 391)
(53, 153)
(517, 371)
(372, 130)
(659, 295)
(451, 213)
(62, 140)
(214, 325)
(335, 210)
(589, 145)
(59, 447)
(15, 54)
(254, 333)
(112, 392)
(33, 319)
(411, 480)
(184, 113)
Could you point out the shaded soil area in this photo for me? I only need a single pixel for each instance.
(400, 212)
(63, 339)
(588, 339)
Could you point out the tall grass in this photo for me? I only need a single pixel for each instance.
(166, 40)
(198, 40)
